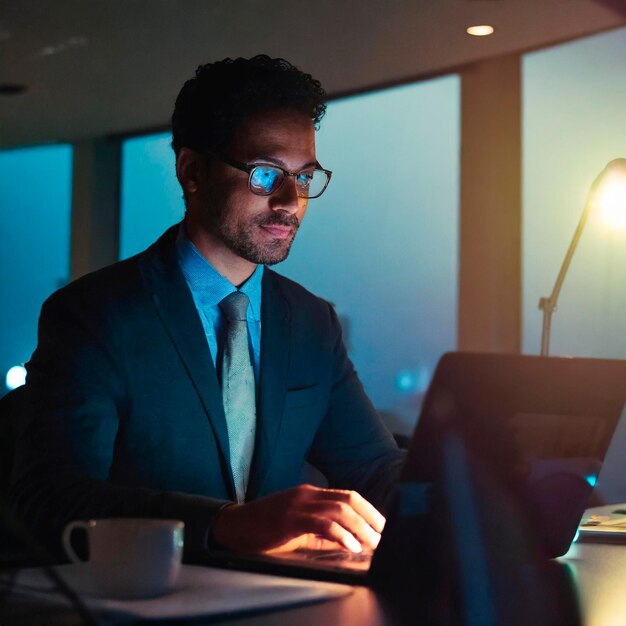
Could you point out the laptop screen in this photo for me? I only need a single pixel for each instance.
(538, 427)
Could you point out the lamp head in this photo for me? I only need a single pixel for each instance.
(609, 194)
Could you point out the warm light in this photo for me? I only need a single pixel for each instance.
(611, 201)
(16, 376)
(607, 200)
(481, 30)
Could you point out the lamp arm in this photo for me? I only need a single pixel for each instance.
(548, 305)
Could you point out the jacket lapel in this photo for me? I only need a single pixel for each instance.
(275, 343)
(177, 310)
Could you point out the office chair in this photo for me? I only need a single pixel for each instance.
(11, 406)
(17, 547)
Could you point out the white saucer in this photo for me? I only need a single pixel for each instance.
(81, 579)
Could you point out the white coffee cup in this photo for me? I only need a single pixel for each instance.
(129, 558)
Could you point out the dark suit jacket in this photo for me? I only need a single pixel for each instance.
(124, 411)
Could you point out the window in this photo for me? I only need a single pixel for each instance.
(151, 198)
(35, 188)
(382, 242)
(574, 97)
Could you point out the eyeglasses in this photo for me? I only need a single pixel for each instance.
(265, 179)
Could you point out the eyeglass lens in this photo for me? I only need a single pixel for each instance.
(265, 179)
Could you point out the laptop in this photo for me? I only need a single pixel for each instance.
(607, 524)
(533, 430)
(611, 485)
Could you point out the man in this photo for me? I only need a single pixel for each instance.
(191, 381)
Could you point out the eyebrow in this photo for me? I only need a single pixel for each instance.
(268, 159)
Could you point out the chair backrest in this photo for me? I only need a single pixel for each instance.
(11, 406)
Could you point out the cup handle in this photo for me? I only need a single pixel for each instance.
(67, 536)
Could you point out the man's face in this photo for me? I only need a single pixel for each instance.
(259, 229)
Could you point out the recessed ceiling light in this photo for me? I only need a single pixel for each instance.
(480, 30)
(12, 89)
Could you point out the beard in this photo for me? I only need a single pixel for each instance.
(246, 239)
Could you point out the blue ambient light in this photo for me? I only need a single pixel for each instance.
(413, 381)
(16, 377)
(406, 381)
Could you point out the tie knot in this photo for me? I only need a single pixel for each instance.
(235, 306)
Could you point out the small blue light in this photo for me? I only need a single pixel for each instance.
(592, 479)
(15, 377)
(576, 536)
(405, 381)
(414, 380)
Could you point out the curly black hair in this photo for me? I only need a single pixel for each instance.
(210, 107)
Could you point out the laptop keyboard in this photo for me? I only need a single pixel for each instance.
(339, 556)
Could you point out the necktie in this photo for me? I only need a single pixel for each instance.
(238, 393)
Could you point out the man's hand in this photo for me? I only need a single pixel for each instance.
(304, 516)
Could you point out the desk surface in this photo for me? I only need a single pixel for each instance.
(361, 607)
(599, 572)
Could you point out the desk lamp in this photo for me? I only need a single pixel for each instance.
(607, 196)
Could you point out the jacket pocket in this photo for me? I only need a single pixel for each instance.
(302, 396)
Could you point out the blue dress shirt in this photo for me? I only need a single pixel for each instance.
(208, 288)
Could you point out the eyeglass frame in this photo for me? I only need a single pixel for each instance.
(250, 167)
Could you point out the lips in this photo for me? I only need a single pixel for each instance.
(276, 231)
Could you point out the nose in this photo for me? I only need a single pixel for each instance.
(286, 198)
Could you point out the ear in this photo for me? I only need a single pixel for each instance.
(189, 166)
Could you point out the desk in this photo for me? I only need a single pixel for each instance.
(360, 608)
(599, 572)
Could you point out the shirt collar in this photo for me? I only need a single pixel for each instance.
(209, 286)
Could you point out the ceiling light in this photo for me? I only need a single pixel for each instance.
(12, 89)
(480, 30)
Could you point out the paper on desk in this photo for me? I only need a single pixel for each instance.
(602, 524)
(201, 591)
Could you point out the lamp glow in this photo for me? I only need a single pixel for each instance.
(611, 202)
(480, 30)
(15, 377)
